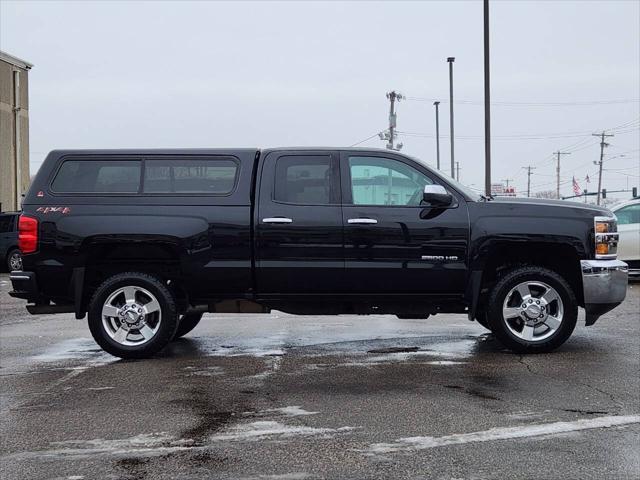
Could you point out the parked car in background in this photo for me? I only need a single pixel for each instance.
(628, 214)
(9, 252)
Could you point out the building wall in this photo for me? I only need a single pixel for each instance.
(8, 201)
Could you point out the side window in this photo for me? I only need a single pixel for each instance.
(304, 180)
(206, 175)
(383, 181)
(6, 223)
(97, 176)
(629, 214)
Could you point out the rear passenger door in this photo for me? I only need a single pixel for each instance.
(299, 224)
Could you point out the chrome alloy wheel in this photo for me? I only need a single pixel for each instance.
(15, 261)
(131, 316)
(533, 311)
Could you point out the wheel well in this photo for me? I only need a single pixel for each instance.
(107, 259)
(562, 259)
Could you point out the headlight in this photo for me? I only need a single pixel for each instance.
(606, 237)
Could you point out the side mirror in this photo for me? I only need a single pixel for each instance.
(437, 196)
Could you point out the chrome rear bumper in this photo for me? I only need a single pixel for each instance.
(604, 284)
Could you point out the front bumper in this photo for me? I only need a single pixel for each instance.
(604, 284)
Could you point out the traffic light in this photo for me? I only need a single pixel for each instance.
(604, 193)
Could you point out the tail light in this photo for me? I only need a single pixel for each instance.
(27, 234)
(606, 237)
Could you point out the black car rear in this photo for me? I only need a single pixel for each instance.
(9, 251)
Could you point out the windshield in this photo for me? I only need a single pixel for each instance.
(468, 191)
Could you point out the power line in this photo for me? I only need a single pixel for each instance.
(533, 104)
(368, 138)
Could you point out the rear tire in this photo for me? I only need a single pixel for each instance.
(188, 322)
(132, 315)
(532, 310)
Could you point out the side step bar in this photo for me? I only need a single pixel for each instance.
(44, 309)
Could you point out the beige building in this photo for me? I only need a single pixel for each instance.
(14, 130)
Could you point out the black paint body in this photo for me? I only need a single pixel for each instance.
(415, 260)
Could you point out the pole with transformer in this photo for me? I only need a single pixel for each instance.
(528, 169)
(391, 135)
(450, 60)
(558, 153)
(603, 144)
(437, 134)
(487, 104)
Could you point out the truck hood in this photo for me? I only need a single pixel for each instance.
(543, 202)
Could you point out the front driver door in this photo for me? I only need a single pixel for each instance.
(395, 245)
(299, 225)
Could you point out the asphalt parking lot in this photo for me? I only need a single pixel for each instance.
(286, 397)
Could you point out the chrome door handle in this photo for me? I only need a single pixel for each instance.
(277, 220)
(362, 221)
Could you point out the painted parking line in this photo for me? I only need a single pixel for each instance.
(409, 444)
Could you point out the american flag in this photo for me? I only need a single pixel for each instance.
(576, 187)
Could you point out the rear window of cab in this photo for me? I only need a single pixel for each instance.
(166, 176)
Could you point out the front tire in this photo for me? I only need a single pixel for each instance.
(132, 315)
(532, 310)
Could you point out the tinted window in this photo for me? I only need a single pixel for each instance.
(216, 176)
(98, 176)
(629, 214)
(6, 223)
(305, 180)
(382, 181)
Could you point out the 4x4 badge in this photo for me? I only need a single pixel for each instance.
(46, 210)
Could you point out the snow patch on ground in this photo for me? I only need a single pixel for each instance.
(204, 372)
(293, 411)
(147, 444)
(76, 349)
(275, 430)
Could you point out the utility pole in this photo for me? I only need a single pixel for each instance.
(391, 135)
(451, 60)
(558, 153)
(528, 169)
(603, 144)
(487, 104)
(437, 135)
(458, 171)
(507, 180)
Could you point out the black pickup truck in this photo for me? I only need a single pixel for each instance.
(144, 242)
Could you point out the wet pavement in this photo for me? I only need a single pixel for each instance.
(286, 397)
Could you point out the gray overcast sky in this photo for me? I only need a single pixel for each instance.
(208, 74)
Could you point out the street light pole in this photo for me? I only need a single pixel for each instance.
(487, 104)
(437, 135)
(451, 60)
